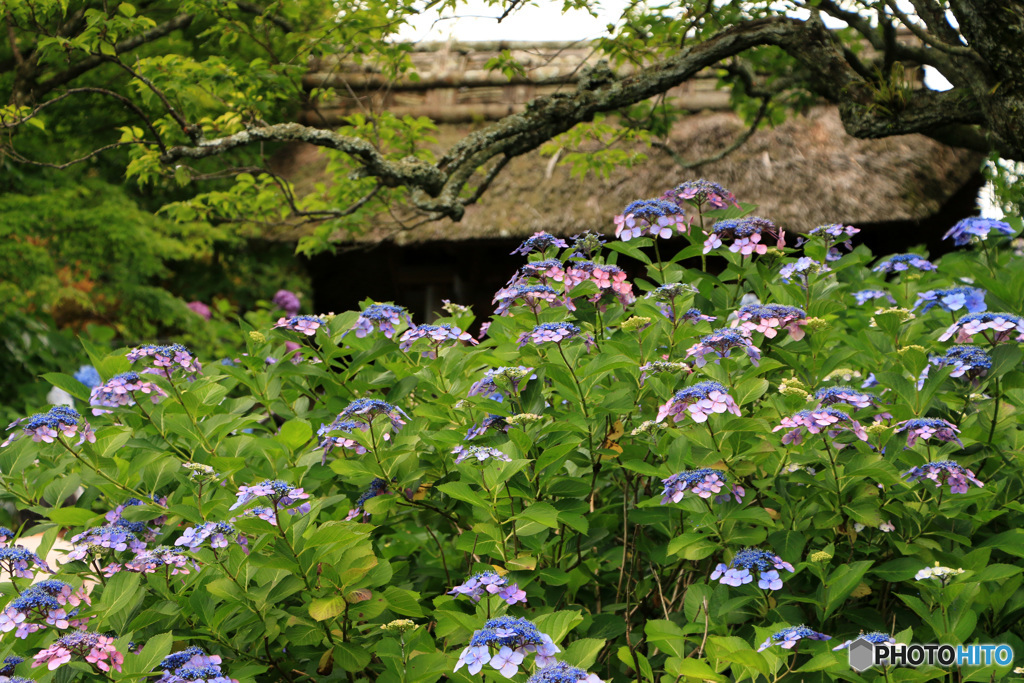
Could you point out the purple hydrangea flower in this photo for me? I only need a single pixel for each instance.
(699, 192)
(497, 422)
(200, 309)
(514, 638)
(801, 268)
(540, 241)
(789, 637)
(552, 332)
(117, 537)
(656, 217)
(970, 360)
(560, 672)
(151, 560)
(94, 648)
(748, 561)
(287, 302)
(9, 664)
(493, 583)
(704, 483)
(873, 637)
(119, 391)
(306, 324)
(745, 235)
(340, 425)
(1003, 326)
(192, 665)
(546, 270)
(377, 487)
(971, 298)
(46, 427)
(720, 343)
(945, 471)
(115, 514)
(829, 420)
(927, 428)
(280, 494)
(972, 227)
(531, 296)
(437, 334)
(866, 295)
(699, 401)
(89, 376)
(384, 316)
(901, 262)
(21, 562)
(829, 396)
(603, 275)
(480, 453)
(219, 534)
(366, 409)
(769, 319)
(166, 359)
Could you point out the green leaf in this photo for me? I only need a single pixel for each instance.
(351, 657)
(322, 609)
(583, 653)
(691, 669)
(667, 636)
(295, 433)
(403, 602)
(841, 583)
(143, 663)
(68, 384)
(558, 624)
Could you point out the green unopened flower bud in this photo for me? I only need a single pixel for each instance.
(455, 309)
(257, 337)
(904, 314)
(816, 324)
(821, 556)
(845, 374)
(910, 277)
(513, 373)
(399, 626)
(774, 251)
(199, 471)
(648, 427)
(523, 419)
(793, 387)
(876, 428)
(913, 346)
(635, 323)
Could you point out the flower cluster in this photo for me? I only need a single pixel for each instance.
(384, 316)
(437, 334)
(704, 483)
(928, 427)
(150, 560)
(340, 425)
(656, 217)
(366, 409)
(801, 268)
(530, 295)
(699, 192)
(969, 360)
(94, 648)
(119, 536)
(480, 453)
(945, 472)
(1003, 326)
(745, 233)
(604, 276)
(280, 494)
(88, 375)
(560, 672)
(901, 262)
(941, 573)
(552, 332)
(40, 605)
(829, 396)
(659, 366)
(58, 421)
(377, 487)
(720, 343)
(835, 233)
(540, 241)
(789, 637)
(769, 319)
(971, 298)
(115, 514)
(967, 229)
(20, 561)
(829, 420)
(546, 270)
(747, 561)
(287, 302)
(197, 470)
(493, 583)
(219, 533)
(666, 296)
(117, 392)
(488, 386)
(498, 422)
(873, 637)
(306, 324)
(514, 638)
(192, 665)
(866, 295)
(166, 358)
(700, 401)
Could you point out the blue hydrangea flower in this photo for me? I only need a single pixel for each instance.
(552, 332)
(491, 583)
(789, 637)
(514, 638)
(179, 659)
(540, 241)
(970, 360)
(704, 483)
(945, 471)
(48, 426)
(866, 295)
(366, 409)
(560, 672)
(701, 191)
(801, 268)
(89, 376)
(480, 453)
(512, 376)
(769, 319)
(873, 637)
(748, 561)
(971, 298)
(377, 487)
(531, 296)
(496, 422)
(218, 532)
(967, 229)
(166, 358)
(280, 494)
(901, 262)
(437, 334)
(548, 269)
(829, 420)
(1002, 325)
(306, 324)
(327, 443)
(21, 562)
(656, 217)
(829, 396)
(192, 666)
(384, 316)
(745, 233)
(720, 342)
(120, 390)
(927, 428)
(699, 401)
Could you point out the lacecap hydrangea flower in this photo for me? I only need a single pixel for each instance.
(952, 300)
(479, 453)
(514, 639)
(377, 487)
(47, 603)
(655, 217)
(119, 391)
(280, 494)
(876, 637)
(829, 420)
(744, 234)
(553, 332)
(965, 360)
(219, 533)
(548, 270)
(366, 409)
(94, 648)
(46, 427)
(192, 665)
(928, 428)
(699, 192)
(787, 638)
(541, 242)
(328, 443)
(866, 295)
(306, 324)
(382, 316)
(666, 296)
(720, 342)
(699, 401)
(490, 583)
(746, 563)
(531, 296)
(704, 483)
(1002, 325)
(117, 537)
(605, 276)
(975, 227)
(560, 672)
(20, 561)
(150, 560)
(165, 359)
(945, 471)
(658, 367)
(828, 396)
(510, 377)
(801, 268)
(902, 262)
(943, 574)
(9, 664)
(437, 334)
(769, 319)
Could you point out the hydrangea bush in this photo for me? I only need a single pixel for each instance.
(679, 475)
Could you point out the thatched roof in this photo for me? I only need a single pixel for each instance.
(802, 173)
